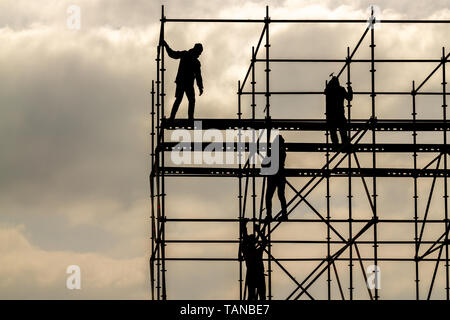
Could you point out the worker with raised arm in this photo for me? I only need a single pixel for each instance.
(188, 71)
(335, 111)
(252, 251)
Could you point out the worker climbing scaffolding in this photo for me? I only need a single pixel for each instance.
(277, 180)
(251, 249)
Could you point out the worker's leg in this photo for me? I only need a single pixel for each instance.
(251, 288)
(271, 185)
(190, 93)
(179, 92)
(261, 287)
(332, 128)
(251, 294)
(281, 188)
(343, 130)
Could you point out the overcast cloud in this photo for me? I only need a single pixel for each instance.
(74, 135)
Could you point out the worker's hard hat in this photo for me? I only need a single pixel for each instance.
(335, 79)
(334, 82)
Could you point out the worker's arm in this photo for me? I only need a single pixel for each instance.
(198, 77)
(240, 253)
(244, 233)
(349, 93)
(282, 156)
(262, 236)
(172, 53)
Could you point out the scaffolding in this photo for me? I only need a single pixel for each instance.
(343, 164)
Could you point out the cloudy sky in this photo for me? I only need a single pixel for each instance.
(74, 135)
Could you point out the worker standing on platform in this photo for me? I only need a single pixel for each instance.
(335, 95)
(188, 70)
(277, 180)
(252, 251)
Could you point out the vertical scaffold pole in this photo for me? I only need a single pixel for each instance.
(152, 193)
(253, 108)
(327, 198)
(253, 83)
(267, 70)
(416, 197)
(163, 195)
(444, 113)
(350, 229)
(157, 175)
(253, 105)
(374, 154)
(239, 114)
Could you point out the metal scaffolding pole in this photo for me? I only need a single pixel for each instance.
(313, 259)
(157, 175)
(374, 154)
(239, 114)
(350, 213)
(307, 21)
(315, 60)
(163, 192)
(415, 196)
(254, 156)
(328, 196)
(363, 93)
(152, 193)
(268, 128)
(444, 116)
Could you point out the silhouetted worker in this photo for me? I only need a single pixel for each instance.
(252, 251)
(335, 95)
(188, 70)
(277, 181)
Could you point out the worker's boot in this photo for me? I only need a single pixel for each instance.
(283, 217)
(268, 216)
(191, 108)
